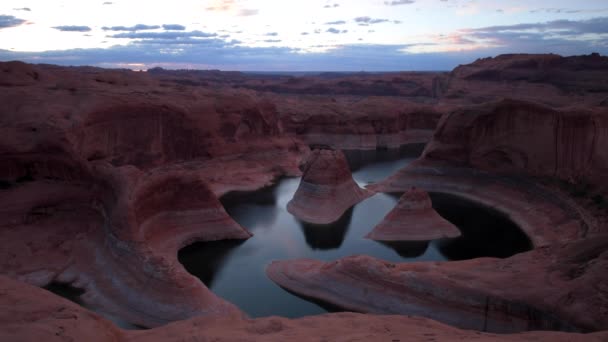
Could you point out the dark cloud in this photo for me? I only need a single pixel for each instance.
(247, 12)
(10, 21)
(272, 41)
(305, 33)
(138, 27)
(174, 27)
(72, 28)
(560, 27)
(556, 10)
(399, 2)
(365, 21)
(564, 37)
(27, 9)
(164, 35)
(225, 56)
(335, 30)
(338, 22)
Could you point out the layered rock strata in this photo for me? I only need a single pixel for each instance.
(31, 314)
(413, 219)
(327, 189)
(506, 156)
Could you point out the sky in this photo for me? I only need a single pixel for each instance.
(295, 35)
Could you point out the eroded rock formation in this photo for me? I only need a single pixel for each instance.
(31, 314)
(107, 173)
(413, 219)
(327, 188)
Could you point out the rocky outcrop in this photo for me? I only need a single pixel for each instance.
(105, 178)
(327, 189)
(481, 294)
(31, 313)
(367, 123)
(548, 79)
(413, 219)
(516, 137)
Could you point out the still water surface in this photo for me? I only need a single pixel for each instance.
(234, 270)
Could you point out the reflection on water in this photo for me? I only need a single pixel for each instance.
(485, 231)
(407, 249)
(323, 236)
(235, 271)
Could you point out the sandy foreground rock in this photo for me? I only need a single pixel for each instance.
(30, 314)
(413, 219)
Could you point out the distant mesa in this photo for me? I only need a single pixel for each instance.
(413, 219)
(327, 189)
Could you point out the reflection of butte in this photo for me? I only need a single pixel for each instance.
(407, 249)
(329, 236)
(205, 259)
(327, 189)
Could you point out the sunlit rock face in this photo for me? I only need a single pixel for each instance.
(413, 219)
(327, 189)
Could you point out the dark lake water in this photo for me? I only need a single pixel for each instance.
(234, 270)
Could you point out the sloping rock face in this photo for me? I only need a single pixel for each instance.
(561, 287)
(31, 314)
(327, 189)
(106, 175)
(521, 158)
(413, 219)
(548, 79)
(521, 137)
(357, 123)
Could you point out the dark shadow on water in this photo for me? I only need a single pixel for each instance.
(327, 236)
(486, 232)
(407, 249)
(66, 291)
(204, 259)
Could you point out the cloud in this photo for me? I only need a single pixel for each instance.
(247, 12)
(72, 28)
(271, 34)
(331, 6)
(338, 22)
(138, 27)
(560, 27)
(335, 30)
(365, 21)
(566, 37)
(174, 27)
(272, 41)
(27, 9)
(305, 33)
(400, 2)
(10, 21)
(107, 3)
(164, 35)
(214, 54)
(556, 10)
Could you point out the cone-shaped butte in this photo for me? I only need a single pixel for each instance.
(413, 219)
(327, 189)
